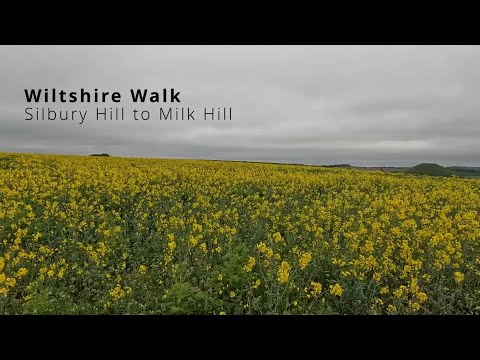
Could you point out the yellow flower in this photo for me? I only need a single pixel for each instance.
(402, 290)
(336, 290)
(305, 260)
(61, 273)
(384, 290)
(197, 227)
(422, 297)
(172, 245)
(222, 313)
(250, 264)
(316, 288)
(117, 292)
(391, 308)
(415, 306)
(262, 247)
(21, 272)
(459, 277)
(277, 237)
(232, 294)
(193, 240)
(283, 272)
(427, 277)
(378, 301)
(399, 231)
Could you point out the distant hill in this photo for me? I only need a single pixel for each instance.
(338, 165)
(464, 168)
(431, 170)
(466, 171)
(104, 154)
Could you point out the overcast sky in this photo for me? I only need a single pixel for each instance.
(375, 105)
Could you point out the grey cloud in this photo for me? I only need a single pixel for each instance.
(374, 105)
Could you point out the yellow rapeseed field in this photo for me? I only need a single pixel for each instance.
(90, 235)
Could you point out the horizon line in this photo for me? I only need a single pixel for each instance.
(339, 164)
